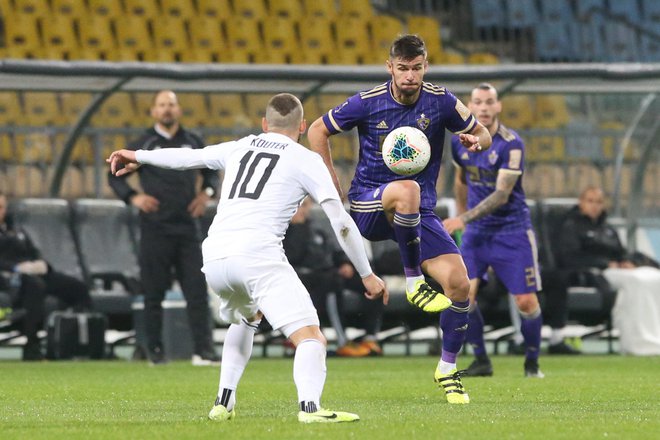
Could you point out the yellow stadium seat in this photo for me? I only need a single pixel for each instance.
(352, 41)
(311, 108)
(255, 106)
(133, 39)
(97, 42)
(342, 148)
(280, 41)
(10, 109)
(6, 149)
(22, 37)
(446, 58)
(70, 8)
(482, 58)
(193, 108)
(170, 39)
(291, 9)
(59, 38)
(73, 105)
(33, 148)
(217, 9)
(116, 111)
(329, 101)
(546, 148)
(143, 104)
(31, 8)
(517, 111)
(179, 9)
(208, 44)
(315, 8)
(251, 9)
(384, 29)
(429, 29)
(147, 9)
(41, 108)
(551, 111)
(244, 41)
(318, 45)
(228, 111)
(356, 8)
(110, 9)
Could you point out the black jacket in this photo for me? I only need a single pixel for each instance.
(15, 246)
(309, 248)
(174, 189)
(584, 243)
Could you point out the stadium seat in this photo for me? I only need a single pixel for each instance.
(21, 37)
(208, 43)
(626, 9)
(316, 40)
(30, 8)
(521, 14)
(83, 152)
(315, 8)
(651, 10)
(228, 111)
(143, 103)
(193, 108)
(251, 9)
(97, 41)
(588, 8)
(41, 108)
(557, 11)
(360, 9)
(353, 45)
(429, 29)
(71, 8)
(109, 9)
(517, 111)
(147, 9)
(621, 41)
(554, 41)
(255, 106)
(170, 39)
(291, 9)
(48, 223)
(551, 111)
(7, 154)
(590, 45)
(650, 49)
(217, 9)
(183, 9)
(487, 13)
(10, 109)
(482, 58)
(34, 148)
(280, 41)
(133, 39)
(311, 108)
(384, 29)
(547, 148)
(59, 39)
(116, 111)
(329, 101)
(244, 41)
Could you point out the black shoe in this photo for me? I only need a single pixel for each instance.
(156, 356)
(562, 348)
(481, 366)
(532, 369)
(206, 358)
(514, 348)
(32, 352)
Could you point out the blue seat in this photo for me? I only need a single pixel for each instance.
(585, 8)
(553, 42)
(589, 40)
(628, 9)
(621, 41)
(557, 11)
(650, 49)
(651, 10)
(521, 14)
(487, 13)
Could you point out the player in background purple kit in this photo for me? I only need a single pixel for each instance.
(388, 206)
(491, 201)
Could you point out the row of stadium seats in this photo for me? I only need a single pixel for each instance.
(246, 32)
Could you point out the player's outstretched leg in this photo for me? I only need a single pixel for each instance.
(236, 353)
(454, 323)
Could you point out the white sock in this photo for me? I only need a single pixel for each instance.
(446, 367)
(411, 281)
(556, 336)
(309, 371)
(236, 353)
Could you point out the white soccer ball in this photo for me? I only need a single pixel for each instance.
(406, 151)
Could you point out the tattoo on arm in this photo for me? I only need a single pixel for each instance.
(503, 187)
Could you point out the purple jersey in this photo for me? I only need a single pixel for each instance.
(375, 113)
(506, 154)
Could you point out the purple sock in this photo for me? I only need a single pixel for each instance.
(454, 323)
(475, 332)
(407, 230)
(530, 328)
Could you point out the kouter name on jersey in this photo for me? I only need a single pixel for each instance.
(262, 143)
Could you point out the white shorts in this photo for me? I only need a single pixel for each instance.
(247, 285)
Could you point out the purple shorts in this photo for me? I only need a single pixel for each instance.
(367, 211)
(513, 257)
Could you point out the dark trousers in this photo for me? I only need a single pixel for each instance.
(70, 291)
(31, 297)
(160, 255)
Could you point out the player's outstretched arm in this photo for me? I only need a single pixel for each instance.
(319, 142)
(125, 158)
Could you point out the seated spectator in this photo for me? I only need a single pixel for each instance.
(325, 270)
(29, 279)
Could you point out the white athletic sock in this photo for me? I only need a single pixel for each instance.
(236, 353)
(411, 281)
(309, 371)
(446, 367)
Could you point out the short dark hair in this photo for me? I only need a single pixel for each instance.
(408, 47)
(488, 87)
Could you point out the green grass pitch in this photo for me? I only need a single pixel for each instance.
(582, 397)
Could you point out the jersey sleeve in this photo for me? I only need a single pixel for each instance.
(316, 180)
(215, 156)
(512, 156)
(345, 116)
(457, 115)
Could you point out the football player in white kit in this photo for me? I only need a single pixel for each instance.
(266, 178)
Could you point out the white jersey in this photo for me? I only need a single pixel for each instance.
(266, 177)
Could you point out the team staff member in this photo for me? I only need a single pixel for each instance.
(168, 233)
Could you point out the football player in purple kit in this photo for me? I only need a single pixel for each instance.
(491, 202)
(388, 206)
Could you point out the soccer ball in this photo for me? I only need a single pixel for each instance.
(406, 151)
